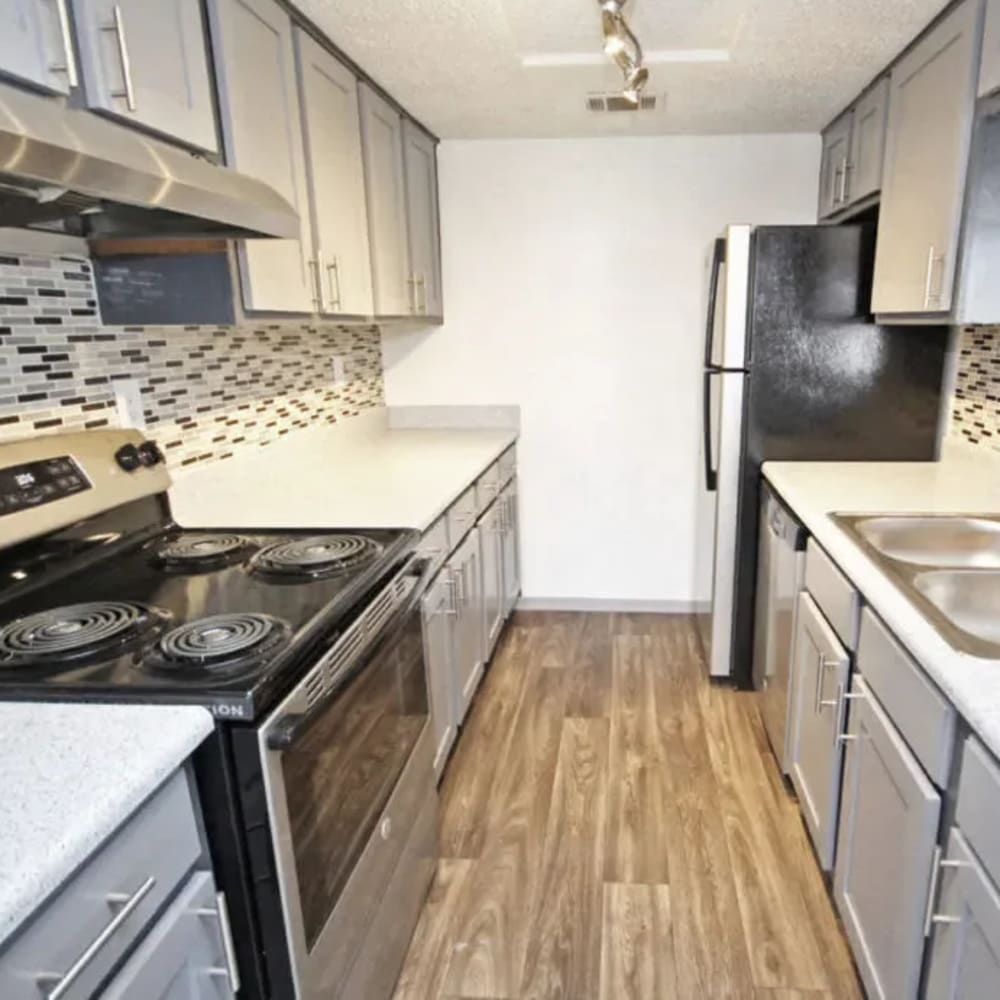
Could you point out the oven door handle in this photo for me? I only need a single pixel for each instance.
(291, 727)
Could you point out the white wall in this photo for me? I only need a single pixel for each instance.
(574, 280)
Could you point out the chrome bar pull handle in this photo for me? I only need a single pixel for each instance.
(314, 270)
(117, 26)
(411, 292)
(932, 891)
(221, 913)
(61, 985)
(333, 279)
(422, 287)
(928, 277)
(66, 38)
(842, 197)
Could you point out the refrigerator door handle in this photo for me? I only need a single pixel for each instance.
(718, 259)
(711, 472)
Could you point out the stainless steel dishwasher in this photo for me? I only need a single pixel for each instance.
(781, 566)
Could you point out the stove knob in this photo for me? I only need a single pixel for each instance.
(149, 453)
(127, 457)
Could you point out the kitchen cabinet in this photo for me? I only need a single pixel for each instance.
(491, 539)
(933, 89)
(184, 956)
(820, 667)
(465, 567)
(833, 165)
(332, 129)
(510, 550)
(440, 610)
(965, 950)
(989, 66)
(262, 134)
(867, 149)
(382, 147)
(147, 64)
(885, 851)
(36, 45)
(420, 168)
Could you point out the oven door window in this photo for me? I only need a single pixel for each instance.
(340, 773)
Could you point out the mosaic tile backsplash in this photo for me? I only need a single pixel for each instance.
(206, 391)
(975, 404)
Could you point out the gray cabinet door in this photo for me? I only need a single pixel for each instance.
(35, 43)
(511, 553)
(965, 951)
(833, 166)
(336, 179)
(491, 540)
(382, 146)
(439, 613)
(820, 664)
(420, 162)
(885, 851)
(184, 956)
(468, 645)
(146, 62)
(262, 131)
(864, 168)
(927, 152)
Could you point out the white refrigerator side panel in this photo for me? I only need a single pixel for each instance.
(732, 351)
(726, 510)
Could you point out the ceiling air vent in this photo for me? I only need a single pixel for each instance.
(616, 102)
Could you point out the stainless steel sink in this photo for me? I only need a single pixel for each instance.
(935, 541)
(969, 600)
(948, 565)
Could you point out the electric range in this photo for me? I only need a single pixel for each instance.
(305, 645)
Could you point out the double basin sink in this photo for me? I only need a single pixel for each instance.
(949, 565)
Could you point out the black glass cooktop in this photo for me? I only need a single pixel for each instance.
(226, 619)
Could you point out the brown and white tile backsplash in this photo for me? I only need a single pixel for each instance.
(206, 391)
(975, 403)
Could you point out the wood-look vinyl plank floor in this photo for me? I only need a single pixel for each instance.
(614, 826)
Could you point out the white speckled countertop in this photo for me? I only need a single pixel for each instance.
(70, 775)
(967, 480)
(359, 474)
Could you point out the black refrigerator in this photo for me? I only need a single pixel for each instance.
(796, 369)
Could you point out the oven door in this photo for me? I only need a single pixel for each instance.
(333, 753)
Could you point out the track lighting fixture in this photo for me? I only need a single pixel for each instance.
(623, 47)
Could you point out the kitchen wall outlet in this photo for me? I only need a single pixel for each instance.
(128, 400)
(338, 367)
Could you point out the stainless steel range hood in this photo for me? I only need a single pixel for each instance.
(68, 170)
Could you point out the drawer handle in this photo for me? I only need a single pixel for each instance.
(63, 984)
(221, 913)
(843, 697)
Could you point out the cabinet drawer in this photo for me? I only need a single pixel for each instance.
(508, 464)
(113, 897)
(433, 543)
(462, 516)
(978, 810)
(487, 487)
(349, 923)
(917, 708)
(832, 591)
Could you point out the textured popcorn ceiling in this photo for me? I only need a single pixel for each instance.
(456, 64)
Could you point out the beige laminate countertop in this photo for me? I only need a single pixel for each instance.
(967, 480)
(339, 477)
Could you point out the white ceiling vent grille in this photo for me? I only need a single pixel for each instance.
(616, 102)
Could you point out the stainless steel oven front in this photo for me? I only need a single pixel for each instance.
(332, 754)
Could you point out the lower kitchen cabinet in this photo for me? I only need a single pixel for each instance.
(439, 611)
(820, 665)
(885, 852)
(965, 953)
(510, 553)
(491, 540)
(465, 567)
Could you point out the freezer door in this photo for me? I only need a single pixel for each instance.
(726, 326)
(724, 393)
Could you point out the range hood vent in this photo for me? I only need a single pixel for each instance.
(614, 101)
(70, 171)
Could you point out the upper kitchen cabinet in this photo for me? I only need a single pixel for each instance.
(382, 142)
(36, 45)
(420, 165)
(336, 180)
(989, 69)
(833, 165)
(853, 148)
(931, 106)
(262, 132)
(147, 64)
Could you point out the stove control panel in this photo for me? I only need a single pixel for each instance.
(36, 483)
